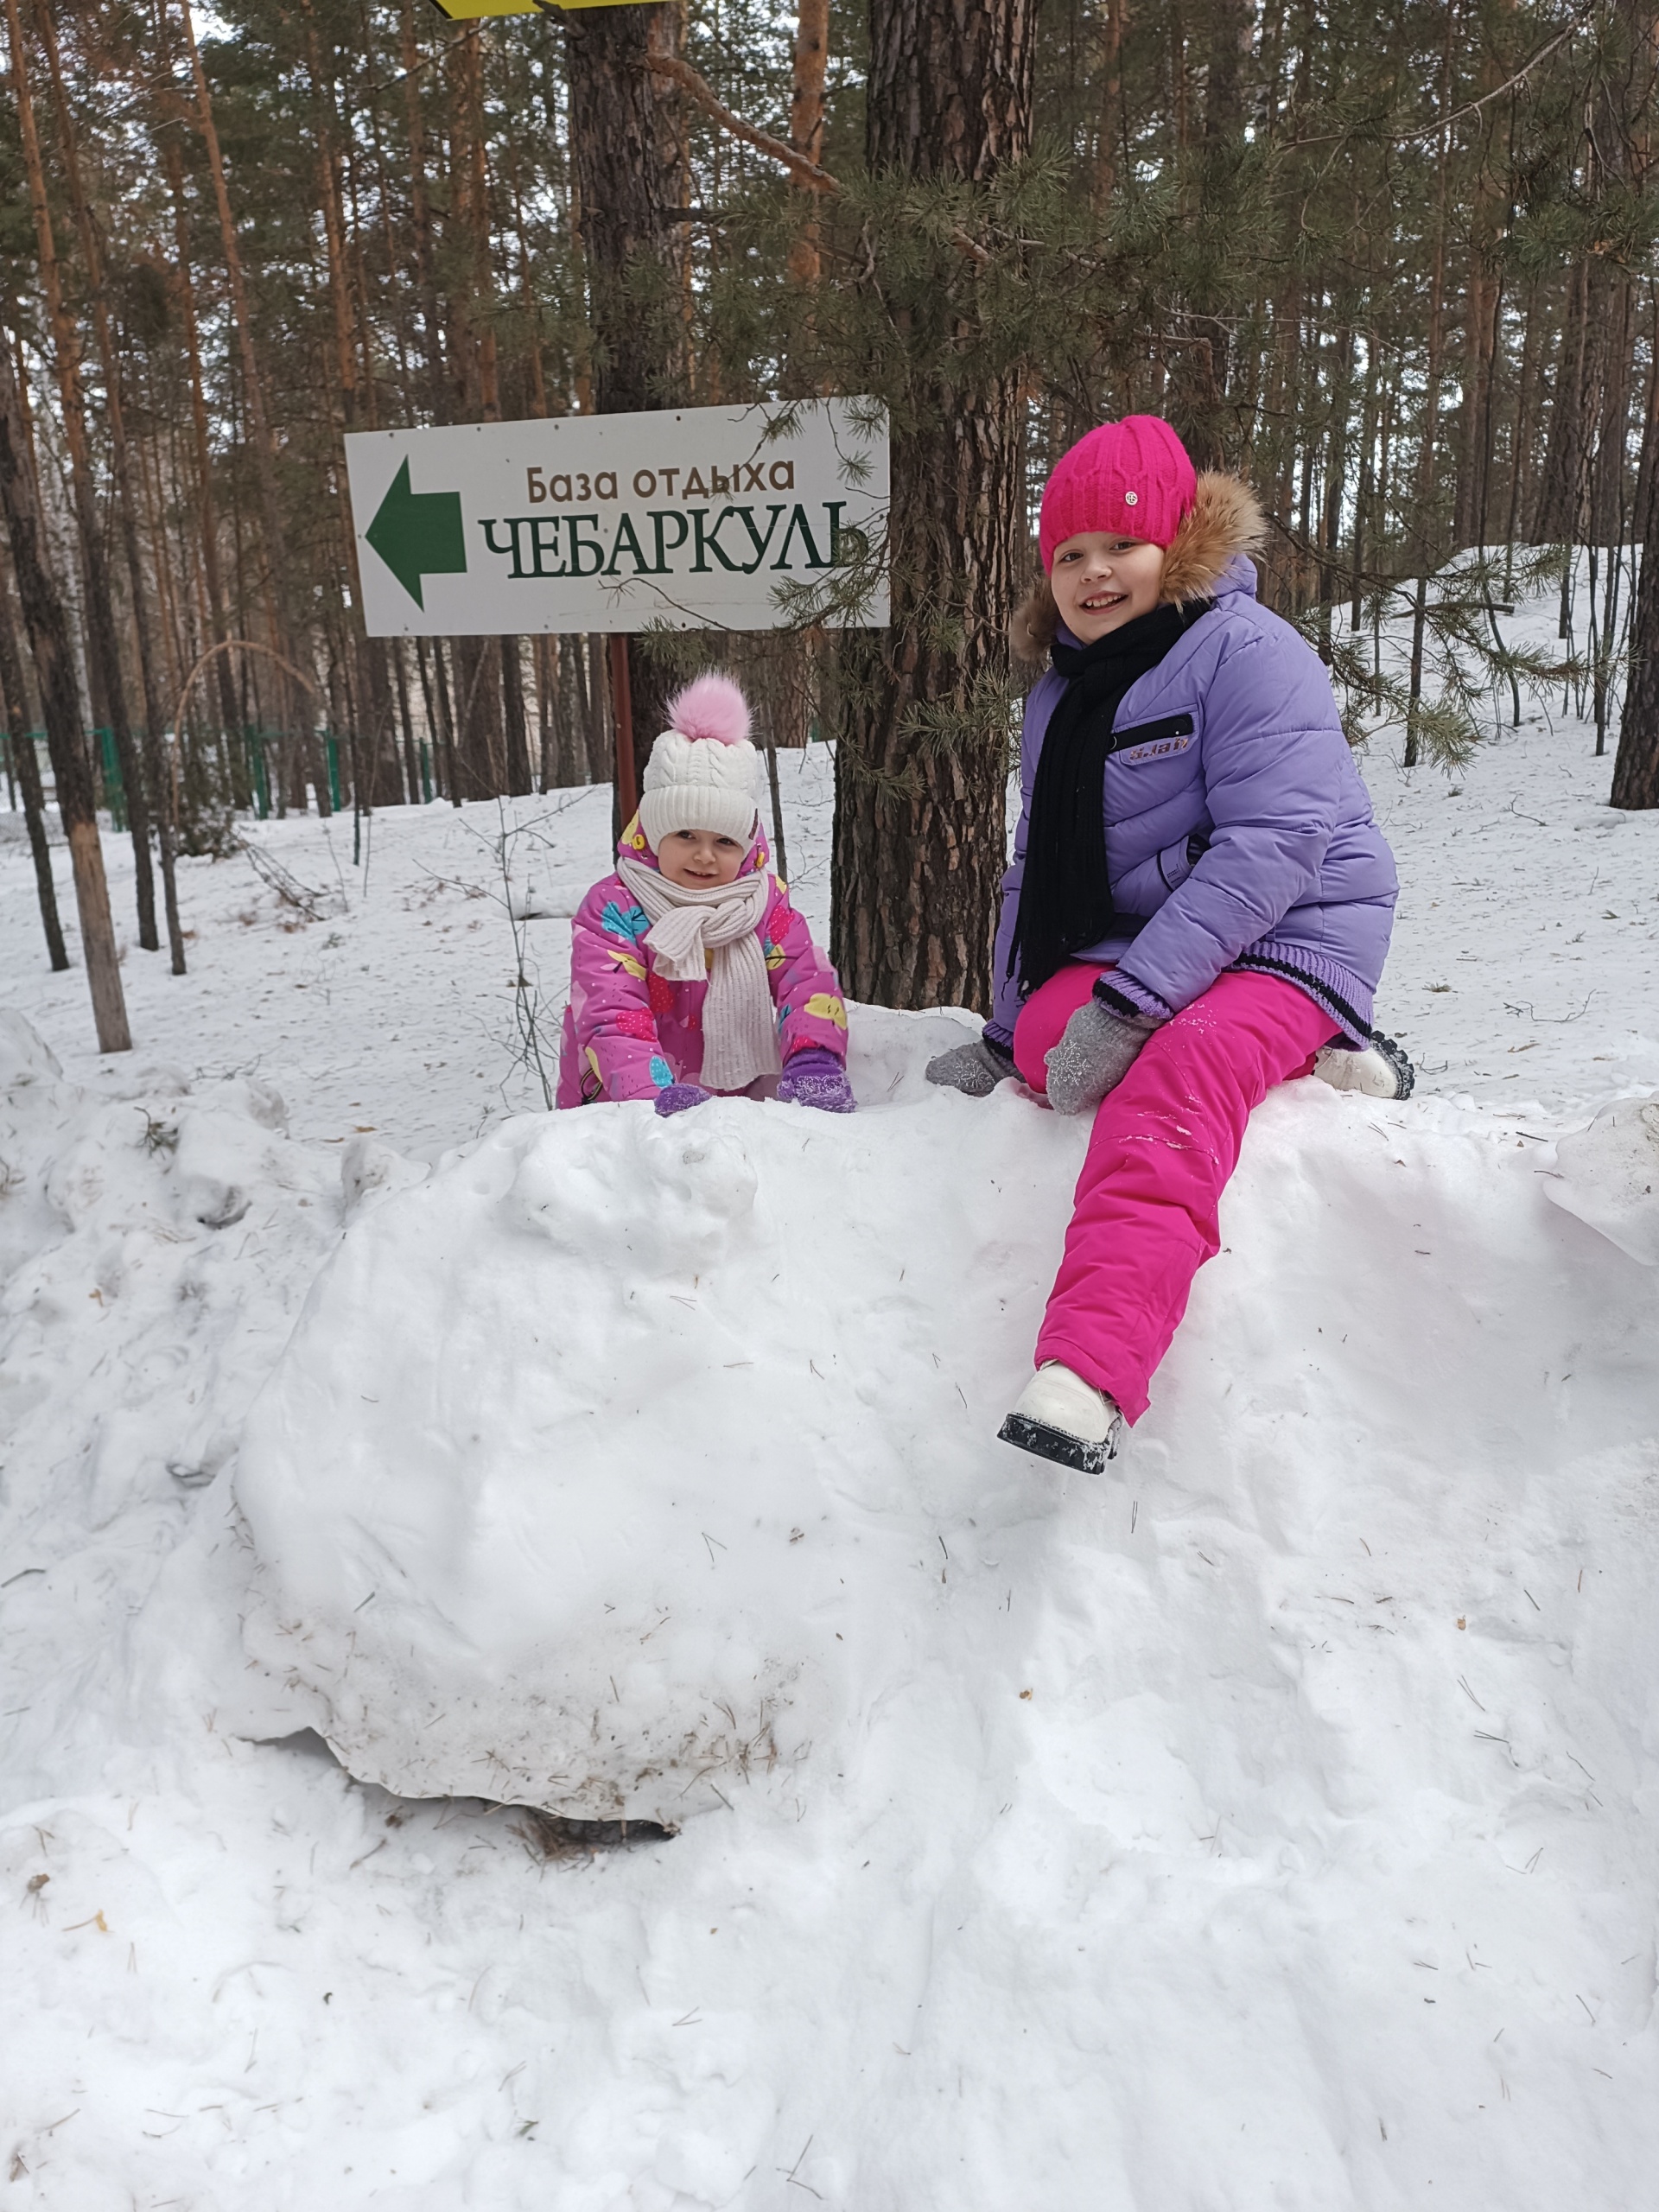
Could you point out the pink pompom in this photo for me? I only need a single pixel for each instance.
(712, 706)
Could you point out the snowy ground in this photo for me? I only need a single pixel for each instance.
(1270, 1825)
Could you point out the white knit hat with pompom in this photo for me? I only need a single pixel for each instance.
(701, 772)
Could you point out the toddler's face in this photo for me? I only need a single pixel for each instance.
(1101, 582)
(697, 859)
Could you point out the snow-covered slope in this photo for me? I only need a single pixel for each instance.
(1269, 1823)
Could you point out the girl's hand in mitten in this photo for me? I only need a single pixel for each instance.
(975, 1069)
(1094, 1055)
(678, 1097)
(816, 1077)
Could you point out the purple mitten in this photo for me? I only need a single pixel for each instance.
(675, 1097)
(817, 1077)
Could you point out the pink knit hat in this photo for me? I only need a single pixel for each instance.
(1133, 477)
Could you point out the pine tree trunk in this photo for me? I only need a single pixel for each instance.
(54, 668)
(1559, 518)
(597, 693)
(1480, 334)
(546, 652)
(512, 715)
(629, 162)
(1636, 766)
(1114, 17)
(412, 776)
(154, 772)
(297, 713)
(806, 123)
(26, 769)
(919, 833)
(104, 653)
(420, 211)
(207, 519)
(1426, 522)
(478, 718)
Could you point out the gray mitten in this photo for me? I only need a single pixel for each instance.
(1094, 1055)
(976, 1070)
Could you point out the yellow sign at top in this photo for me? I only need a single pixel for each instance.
(468, 11)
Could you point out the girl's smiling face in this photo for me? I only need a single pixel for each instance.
(1102, 580)
(697, 859)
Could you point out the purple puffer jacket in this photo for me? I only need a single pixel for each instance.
(1234, 735)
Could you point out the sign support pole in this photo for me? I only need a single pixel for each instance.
(627, 794)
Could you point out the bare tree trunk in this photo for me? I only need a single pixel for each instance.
(447, 704)
(298, 714)
(596, 694)
(512, 715)
(1427, 547)
(420, 211)
(918, 840)
(103, 653)
(54, 668)
(411, 757)
(13, 700)
(1336, 471)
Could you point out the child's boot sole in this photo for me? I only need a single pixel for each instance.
(1088, 1455)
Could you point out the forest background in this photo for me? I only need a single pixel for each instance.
(1398, 269)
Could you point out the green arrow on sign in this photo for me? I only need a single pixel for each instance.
(418, 534)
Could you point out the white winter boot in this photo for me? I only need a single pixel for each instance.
(1061, 1417)
(1381, 1071)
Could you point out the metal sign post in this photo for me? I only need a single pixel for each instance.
(627, 794)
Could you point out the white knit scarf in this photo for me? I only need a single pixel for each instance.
(740, 1030)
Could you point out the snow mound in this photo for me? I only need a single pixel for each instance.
(624, 1466)
(598, 1460)
(1609, 1176)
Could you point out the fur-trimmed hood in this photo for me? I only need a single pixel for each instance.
(1224, 520)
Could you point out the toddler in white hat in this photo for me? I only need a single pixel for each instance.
(691, 973)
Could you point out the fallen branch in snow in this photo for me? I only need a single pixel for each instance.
(1525, 1007)
(316, 905)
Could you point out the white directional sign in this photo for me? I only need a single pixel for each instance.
(700, 516)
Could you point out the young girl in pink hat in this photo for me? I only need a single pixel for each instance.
(1198, 908)
(691, 975)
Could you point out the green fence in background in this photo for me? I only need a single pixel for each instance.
(113, 790)
(254, 746)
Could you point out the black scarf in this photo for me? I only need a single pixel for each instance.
(1066, 901)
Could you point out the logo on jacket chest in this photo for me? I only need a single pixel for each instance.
(1157, 750)
(1152, 741)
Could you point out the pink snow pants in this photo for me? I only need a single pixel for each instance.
(1164, 1144)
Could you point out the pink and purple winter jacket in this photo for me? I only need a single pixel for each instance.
(1237, 824)
(629, 1033)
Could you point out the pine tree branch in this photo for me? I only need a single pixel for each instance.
(806, 174)
(1576, 22)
